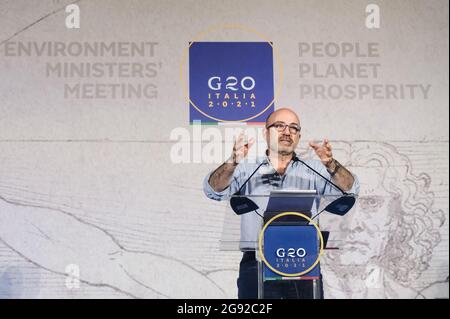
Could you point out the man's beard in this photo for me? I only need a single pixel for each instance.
(282, 150)
(285, 150)
(285, 153)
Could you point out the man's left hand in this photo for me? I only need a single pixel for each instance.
(323, 152)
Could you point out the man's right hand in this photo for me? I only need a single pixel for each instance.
(240, 149)
(221, 177)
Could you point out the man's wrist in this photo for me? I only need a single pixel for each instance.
(332, 167)
(232, 162)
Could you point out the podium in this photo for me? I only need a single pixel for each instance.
(289, 243)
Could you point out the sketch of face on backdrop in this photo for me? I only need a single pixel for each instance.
(392, 230)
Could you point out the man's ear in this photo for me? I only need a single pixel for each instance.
(265, 133)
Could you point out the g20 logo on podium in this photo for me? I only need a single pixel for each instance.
(290, 251)
(284, 253)
(230, 82)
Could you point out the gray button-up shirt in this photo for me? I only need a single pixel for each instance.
(297, 176)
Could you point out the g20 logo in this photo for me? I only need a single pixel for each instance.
(291, 253)
(230, 82)
(247, 83)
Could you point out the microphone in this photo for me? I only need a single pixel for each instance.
(339, 206)
(244, 205)
(329, 181)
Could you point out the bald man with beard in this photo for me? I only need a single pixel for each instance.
(286, 171)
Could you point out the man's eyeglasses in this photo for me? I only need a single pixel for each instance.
(281, 126)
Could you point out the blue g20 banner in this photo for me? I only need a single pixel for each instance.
(291, 250)
(230, 82)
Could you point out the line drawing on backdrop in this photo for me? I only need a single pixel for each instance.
(53, 238)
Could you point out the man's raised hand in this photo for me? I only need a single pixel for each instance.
(240, 149)
(323, 151)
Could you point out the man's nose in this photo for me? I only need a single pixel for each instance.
(352, 227)
(355, 229)
(286, 131)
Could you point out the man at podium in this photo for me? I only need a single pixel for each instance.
(282, 170)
